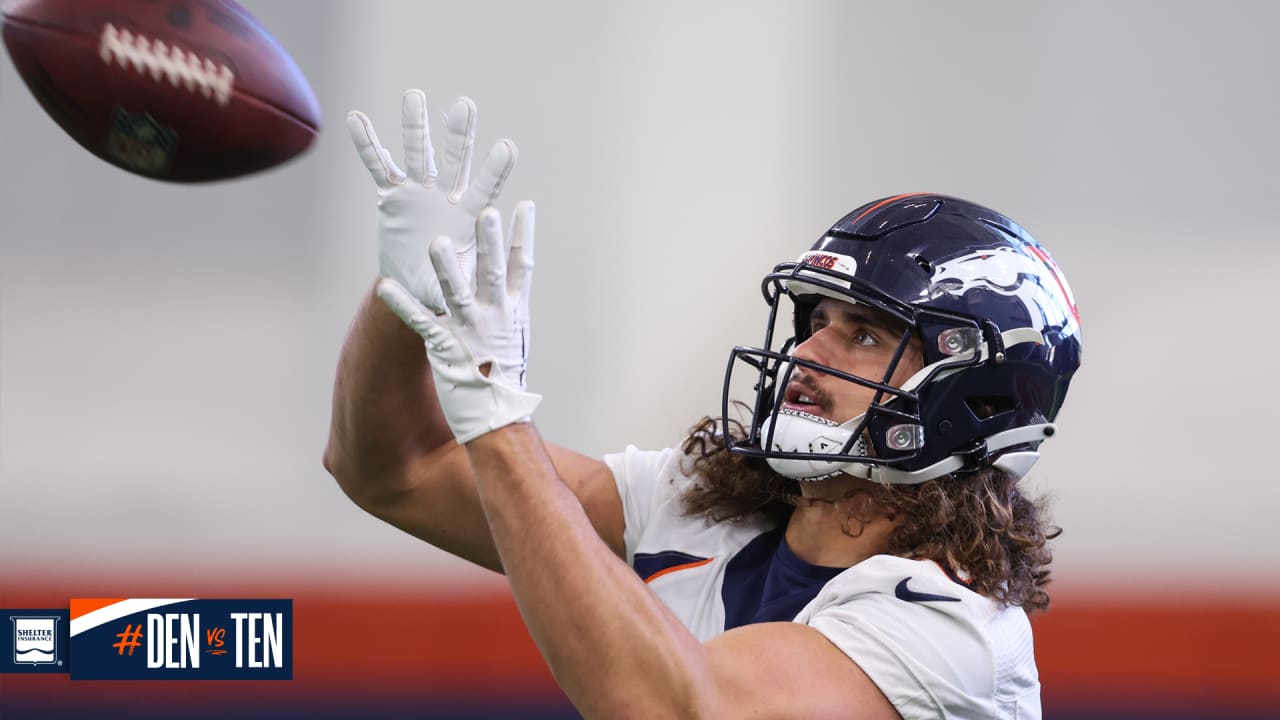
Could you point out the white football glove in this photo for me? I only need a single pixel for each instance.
(478, 351)
(419, 203)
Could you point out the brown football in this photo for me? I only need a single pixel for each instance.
(178, 90)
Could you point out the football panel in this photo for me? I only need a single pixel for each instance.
(146, 121)
(220, 32)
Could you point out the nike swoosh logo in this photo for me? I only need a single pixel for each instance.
(905, 593)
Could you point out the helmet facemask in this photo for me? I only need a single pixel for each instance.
(890, 432)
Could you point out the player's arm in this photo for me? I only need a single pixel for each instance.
(392, 452)
(613, 646)
(390, 448)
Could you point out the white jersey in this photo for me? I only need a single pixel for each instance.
(935, 648)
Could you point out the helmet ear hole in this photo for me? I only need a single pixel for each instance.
(985, 407)
(924, 263)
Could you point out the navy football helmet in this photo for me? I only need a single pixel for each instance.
(999, 331)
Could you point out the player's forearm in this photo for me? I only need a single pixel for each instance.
(385, 411)
(615, 649)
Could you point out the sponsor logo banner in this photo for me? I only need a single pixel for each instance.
(34, 641)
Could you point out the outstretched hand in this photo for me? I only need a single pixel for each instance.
(479, 348)
(429, 199)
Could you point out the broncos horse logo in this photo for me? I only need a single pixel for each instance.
(1032, 277)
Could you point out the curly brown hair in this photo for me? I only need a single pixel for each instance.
(979, 521)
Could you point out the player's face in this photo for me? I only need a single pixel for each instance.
(855, 339)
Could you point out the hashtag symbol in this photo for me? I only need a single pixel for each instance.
(128, 639)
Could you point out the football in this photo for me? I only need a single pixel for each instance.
(176, 90)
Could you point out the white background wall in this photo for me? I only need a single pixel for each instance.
(166, 352)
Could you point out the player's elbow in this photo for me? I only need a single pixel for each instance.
(342, 471)
(336, 463)
(366, 486)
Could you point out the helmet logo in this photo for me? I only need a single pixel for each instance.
(1057, 277)
(1006, 271)
(830, 261)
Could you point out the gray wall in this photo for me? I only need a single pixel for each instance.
(166, 353)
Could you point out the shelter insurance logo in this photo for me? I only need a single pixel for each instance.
(37, 641)
(181, 639)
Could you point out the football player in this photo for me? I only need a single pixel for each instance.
(853, 543)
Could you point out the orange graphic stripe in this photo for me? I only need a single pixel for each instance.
(84, 606)
(676, 568)
(1147, 654)
(886, 201)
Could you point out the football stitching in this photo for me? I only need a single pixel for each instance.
(181, 68)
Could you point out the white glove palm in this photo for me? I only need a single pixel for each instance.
(419, 203)
(478, 351)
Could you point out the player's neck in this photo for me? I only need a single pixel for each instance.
(833, 526)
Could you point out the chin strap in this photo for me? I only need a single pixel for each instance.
(1015, 463)
(798, 432)
(791, 425)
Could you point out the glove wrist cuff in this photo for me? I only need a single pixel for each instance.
(475, 411)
